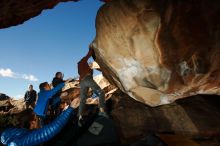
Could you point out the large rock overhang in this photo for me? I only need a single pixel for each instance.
(158, 51)
(15, 12)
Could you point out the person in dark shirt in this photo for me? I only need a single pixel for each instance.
(58, 79)
(55, 101)
(86, 82)
(30, 97)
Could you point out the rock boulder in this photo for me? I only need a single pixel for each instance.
(158, 51)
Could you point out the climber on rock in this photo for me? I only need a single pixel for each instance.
(86, 82)
(45, 94)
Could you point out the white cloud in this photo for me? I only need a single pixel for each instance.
(18, 97)
(29, 77)
(7, 73)
(10, 74)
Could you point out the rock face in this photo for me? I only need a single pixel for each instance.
(14, 12)
(135, 120)
(157, 51)
(11, 106)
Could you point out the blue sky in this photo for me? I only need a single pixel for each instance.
(54, 41)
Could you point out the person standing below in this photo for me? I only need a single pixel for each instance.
(30, 97)
(86, 82)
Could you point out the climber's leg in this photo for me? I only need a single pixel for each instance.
(98, 91)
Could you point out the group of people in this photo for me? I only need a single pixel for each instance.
(51, 97)
(64, 128)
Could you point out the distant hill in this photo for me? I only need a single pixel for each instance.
(4, 96)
